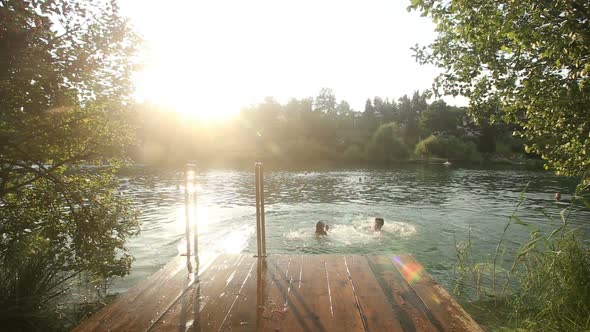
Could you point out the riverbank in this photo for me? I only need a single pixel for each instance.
(519, 162)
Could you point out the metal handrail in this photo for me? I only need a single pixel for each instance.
(187, 201)
(196, 219)
(260, 217)
(260, 221)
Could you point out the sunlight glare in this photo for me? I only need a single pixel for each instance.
(190, 176)
(235, 242)
(202, 218)
(206, 61)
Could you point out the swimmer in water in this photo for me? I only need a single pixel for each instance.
(377, 224)
(321, 228)
(558, 196)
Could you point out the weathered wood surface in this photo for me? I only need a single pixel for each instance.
(287, 293)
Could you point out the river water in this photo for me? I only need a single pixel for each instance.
(426, 209)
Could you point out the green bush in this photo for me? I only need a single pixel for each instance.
(504, 145)
(305, 150)
(387, 144)
(353, 153)
(426, 146)
(507, 145)
(449, 147)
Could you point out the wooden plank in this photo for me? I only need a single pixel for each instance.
(310, 301)
(322, 300)
(181, 313)
(284, 308)
(442, 306)
(244, 310)
(376, 308)
(102, 320)
(344, 314)
(279, 305)
(315, 292)
(206, 292)
(257, 305)
(411, 312)
(216, 314)
(150, 306)
(180, 316)
(286, 282)
(266, 304)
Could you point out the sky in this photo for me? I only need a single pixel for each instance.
(210, 58)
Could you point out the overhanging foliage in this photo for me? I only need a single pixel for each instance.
(525, 62)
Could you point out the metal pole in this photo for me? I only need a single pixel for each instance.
(196, 221)
(258, 237)
(187, 217)
(262, 220)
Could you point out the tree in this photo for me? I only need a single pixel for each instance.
(369, 117)
(530, 57)
(386, 144)
(486, 142)
(378, 105)
(439, 117)
(408, 118)
(343, 108)
(325, 102)
(418, 102)
(65, 97)
(269, 115)
(449, 147)
(390, 112)
(369, 109)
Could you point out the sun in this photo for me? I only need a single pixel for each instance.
(205, 107)
(177, 75)
(176, 89)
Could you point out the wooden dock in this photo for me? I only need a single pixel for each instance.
(287, 293)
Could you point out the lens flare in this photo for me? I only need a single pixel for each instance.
(412, 271)
(190, 175)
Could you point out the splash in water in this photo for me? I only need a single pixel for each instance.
(358, 232)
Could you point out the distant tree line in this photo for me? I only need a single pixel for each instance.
(321, 129)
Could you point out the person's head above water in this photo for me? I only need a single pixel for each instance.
(321, 228)
(378, 223)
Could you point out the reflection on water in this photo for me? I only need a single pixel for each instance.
(424, 208)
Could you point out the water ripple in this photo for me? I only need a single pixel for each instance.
(425, 209)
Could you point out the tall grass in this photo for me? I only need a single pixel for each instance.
(28, 292)
(554, 292)
(37, 295)
(547, 285)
